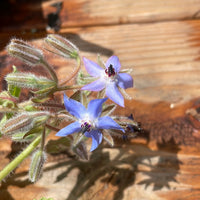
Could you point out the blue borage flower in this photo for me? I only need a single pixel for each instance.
(109, 78)
(88, 121)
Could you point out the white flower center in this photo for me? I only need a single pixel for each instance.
(110, 75)
(88, 124)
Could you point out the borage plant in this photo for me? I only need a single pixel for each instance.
(32, 120)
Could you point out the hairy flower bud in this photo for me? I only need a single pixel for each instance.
(62, 46)
(28, 80)
(81, 150)
(25, 52)
(19, 123)
(36, 166)
(40, 117)
(24, 122)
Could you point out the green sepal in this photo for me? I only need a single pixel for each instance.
(46, 92)
(19, 137)
(14, 90)
(84, 99)
(108, 138)
(76, 96)
(36, 130)
(107, 109)
(30, 108)
(6, 100)
(81, 150)
(38, 100)
(83, 79)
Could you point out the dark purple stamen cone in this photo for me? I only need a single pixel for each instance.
(110, 71)
(85, 127)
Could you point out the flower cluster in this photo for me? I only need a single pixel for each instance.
(32, 120)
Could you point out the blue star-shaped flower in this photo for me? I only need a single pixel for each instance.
(88, 121)
(108, 78)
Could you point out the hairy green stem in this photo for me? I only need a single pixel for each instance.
(50, 70)
(78, 60)
(13, 164)
(43, 139)
(68, 87)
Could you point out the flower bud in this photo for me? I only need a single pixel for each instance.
(19, 123)
(24, 122)
(28, 80)
(62, 46)
(25, 52)
(81, 151)
(36, 166)
(40, 117)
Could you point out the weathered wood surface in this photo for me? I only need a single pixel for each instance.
(161, 163)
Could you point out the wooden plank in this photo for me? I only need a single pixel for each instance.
(163, 162)
(101, 12)
(34, 16)
(164, 56)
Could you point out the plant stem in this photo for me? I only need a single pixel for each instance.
(43, 139)
(78, 60)
(13, 164)
(50, 70)
(68, 87)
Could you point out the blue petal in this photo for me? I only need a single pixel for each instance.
(125, 80)
(95, 107)
(96, 136)
(114, 61)
(71, 128)
(114, 94)
(92, 68)
(97, 85)
(75, 108)
(107, 122)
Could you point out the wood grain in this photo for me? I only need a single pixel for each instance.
(32, 16)
(89, 12)
(160, 42)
